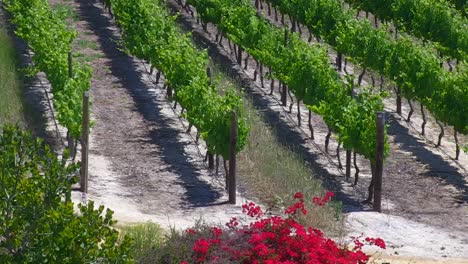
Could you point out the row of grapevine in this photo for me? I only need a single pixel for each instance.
(427, 19)
(460, 5)
(50, 40)
(415, 69)
(304, 69)
(150, 34)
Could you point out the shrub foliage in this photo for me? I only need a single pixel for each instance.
(37, 219)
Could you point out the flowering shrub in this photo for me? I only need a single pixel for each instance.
(273, 239)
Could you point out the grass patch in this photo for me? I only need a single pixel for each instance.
(65, 12)
(87, 44)
(11, 105)
(274, 173)
(146, 238)
(87, 58)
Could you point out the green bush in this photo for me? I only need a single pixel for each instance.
(37, 220)
(146, 237)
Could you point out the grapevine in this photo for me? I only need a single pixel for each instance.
(50, 40)
(415, 69)
(303, 68)
(150, 34)
(431, 20)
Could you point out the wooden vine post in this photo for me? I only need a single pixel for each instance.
(377, 206)
(232, 160)
(457, 145)
(84, 144)
(348, 165)
(339, 61)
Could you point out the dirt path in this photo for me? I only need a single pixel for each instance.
(143, 165)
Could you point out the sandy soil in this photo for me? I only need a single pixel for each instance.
(146, 168)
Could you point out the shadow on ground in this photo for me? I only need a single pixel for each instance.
(436, 165)
(198, 193)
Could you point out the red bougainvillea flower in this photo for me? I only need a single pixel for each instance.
(376, 241)
(201, 248)
(252, 210)
(298, 206)
(321, 201)
(233, 223)
(298, 195)
(217, 231)
(277, 240)
(190, 231)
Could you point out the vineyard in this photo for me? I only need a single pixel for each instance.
(198, 107)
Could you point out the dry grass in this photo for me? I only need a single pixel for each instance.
(273, 173)
(11, 106)
(146, 238)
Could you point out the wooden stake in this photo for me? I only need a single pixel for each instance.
(338, 61)
(232, 160)
(158, 75)
(348, 165)
(210, 160)
(311, 128)
(380, 121)
(284, 93)
(84, 144)
(239, 55)
(457, 145)
(255, 72)
(261, 75)
(272, 86)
